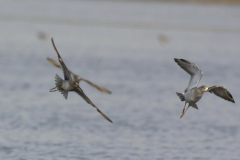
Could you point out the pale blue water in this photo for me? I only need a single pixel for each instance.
(127, 47)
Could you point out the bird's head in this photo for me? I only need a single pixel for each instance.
(203, 88)
(76, 84)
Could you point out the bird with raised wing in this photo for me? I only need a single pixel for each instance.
(77, 78)
(68, 84)
(192, 93)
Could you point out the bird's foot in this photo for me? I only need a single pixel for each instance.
(53, 89)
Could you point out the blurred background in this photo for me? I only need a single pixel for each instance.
(127, 47)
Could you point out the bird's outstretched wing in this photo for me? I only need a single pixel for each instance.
(222, 92)
(80, 92)
(192, 69)
(78, 78)
(66, 73)
(54, 63)
(96, 86)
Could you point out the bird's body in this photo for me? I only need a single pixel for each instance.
(192, 93)
(68, 84)
(189, 95)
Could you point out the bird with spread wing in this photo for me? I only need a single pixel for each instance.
(68, 84)
(193, 93)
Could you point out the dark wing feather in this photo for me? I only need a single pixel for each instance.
(192, 69)
(80, 92)
(66, 73)
(64, 93)
(221, 92)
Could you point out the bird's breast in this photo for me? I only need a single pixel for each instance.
(66, 85)
(193, 96)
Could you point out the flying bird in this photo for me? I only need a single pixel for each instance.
(68, 84)
(77, 78)
(192, 93)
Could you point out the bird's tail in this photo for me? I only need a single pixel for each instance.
(181, 96)
(58, 81)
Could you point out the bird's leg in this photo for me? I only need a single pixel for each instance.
(53, 89)
(187, 109)
(184, 111)
(184, 107)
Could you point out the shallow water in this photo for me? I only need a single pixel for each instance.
(127, 47)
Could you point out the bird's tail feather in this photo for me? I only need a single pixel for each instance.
(58, 83)
(58, 80)
(195, 106)
(181, 96)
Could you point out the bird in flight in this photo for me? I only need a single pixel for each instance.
(68, 84)
(192, 93)
(77, 78)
